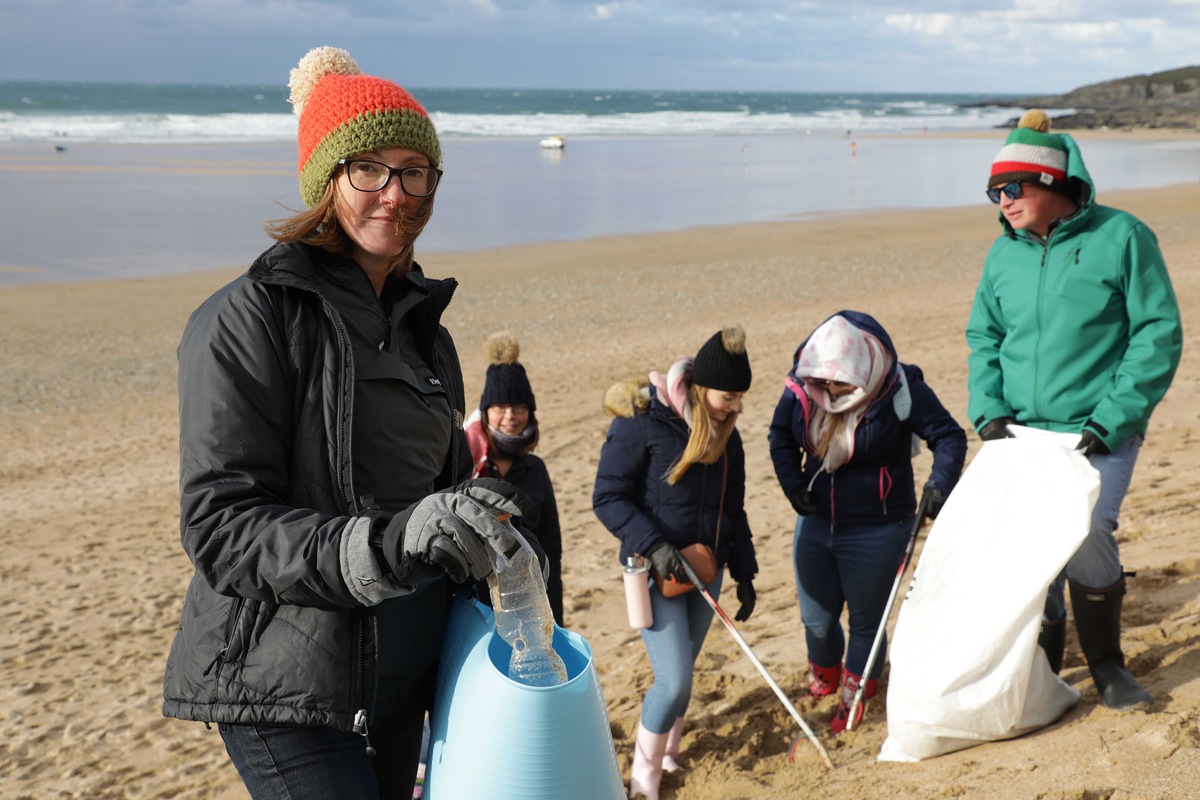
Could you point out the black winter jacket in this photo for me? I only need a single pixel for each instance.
(273, 629)
(634, 501)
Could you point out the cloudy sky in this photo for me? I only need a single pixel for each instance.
(1021, 46)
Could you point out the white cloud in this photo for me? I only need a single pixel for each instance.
(603, 12)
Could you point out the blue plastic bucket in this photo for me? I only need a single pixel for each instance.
(495, 738)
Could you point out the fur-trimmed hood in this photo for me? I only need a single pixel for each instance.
(628, 396)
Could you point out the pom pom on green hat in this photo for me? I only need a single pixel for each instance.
(1031, 153)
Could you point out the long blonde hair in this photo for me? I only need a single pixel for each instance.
(705, 444)
(319, 227)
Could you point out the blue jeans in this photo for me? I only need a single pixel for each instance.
(1097, 562)
(853, 567)
(673, 643)
(290, 763)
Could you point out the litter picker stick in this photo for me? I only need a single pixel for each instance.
(922, 509)
(694, 578)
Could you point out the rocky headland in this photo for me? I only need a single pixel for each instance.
(1168, 99)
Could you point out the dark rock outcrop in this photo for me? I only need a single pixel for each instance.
(1168, 99)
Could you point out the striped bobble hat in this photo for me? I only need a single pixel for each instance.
(344, 112)
(1031, 153)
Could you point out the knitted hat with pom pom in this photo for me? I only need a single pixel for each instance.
(1031, 153)
(722, 363)
(344, 112)
(506, 382)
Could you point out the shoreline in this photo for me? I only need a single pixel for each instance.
(173, 208)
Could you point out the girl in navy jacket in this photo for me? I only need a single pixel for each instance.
(672, 473)
(842, 441)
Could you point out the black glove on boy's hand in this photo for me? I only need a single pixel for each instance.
(747, 597)
(997, 429)
(1092, 445)
(456, 530)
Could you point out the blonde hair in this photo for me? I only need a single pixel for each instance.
(319, 227)
(705, 445)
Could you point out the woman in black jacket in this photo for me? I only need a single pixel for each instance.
(503, 433)
(672, 473)
(321, 461)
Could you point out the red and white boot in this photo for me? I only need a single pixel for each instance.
(647, 770)
(670, 762)
(841, 717)
(823, 681)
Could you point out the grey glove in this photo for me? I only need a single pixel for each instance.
(457, 530)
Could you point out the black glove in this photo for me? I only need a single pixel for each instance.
(997, 429)
(803, 502)
(747, 598)
(457, 530)
(933, 498)
(1092, 445)
(666, 561)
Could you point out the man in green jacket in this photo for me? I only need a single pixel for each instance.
(1075, 328)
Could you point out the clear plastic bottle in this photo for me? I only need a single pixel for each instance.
(524, 618)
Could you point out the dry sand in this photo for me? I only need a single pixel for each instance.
(93, 576)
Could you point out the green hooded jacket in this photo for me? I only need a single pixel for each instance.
(1079, 329)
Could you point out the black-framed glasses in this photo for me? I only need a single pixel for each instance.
(1014, 191)
(366, 175)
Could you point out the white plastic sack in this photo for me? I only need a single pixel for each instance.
(965, 665)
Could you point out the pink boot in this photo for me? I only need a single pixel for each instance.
(670, 761)
(823, 681)
(841, 717)
(646, 774)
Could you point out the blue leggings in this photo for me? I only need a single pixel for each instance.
(673, 643)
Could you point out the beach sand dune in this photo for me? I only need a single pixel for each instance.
(93, 576)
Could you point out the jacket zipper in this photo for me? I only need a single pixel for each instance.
(219, 661)
(358, 666)
(360, 680)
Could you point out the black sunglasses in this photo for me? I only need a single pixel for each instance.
(1014, 191)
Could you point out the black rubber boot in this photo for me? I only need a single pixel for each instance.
(1052, 639)
(1098, 622)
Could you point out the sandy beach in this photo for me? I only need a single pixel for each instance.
(93, 576)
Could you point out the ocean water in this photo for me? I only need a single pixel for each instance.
(106, 181)
(149, 113)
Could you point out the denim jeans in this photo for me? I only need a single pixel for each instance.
(853, 567)
(673, 644)
(289, 763)
(1097, 562)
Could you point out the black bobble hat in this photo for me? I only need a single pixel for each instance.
(506, 381)
(722, 363)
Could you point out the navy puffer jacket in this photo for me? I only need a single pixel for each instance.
(876, 484)
(634, 501)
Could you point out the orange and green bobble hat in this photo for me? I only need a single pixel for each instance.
(343, 113)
